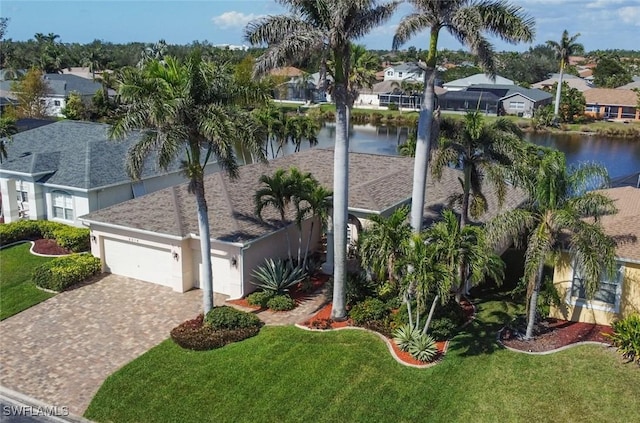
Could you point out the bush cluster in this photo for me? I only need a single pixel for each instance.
(281, 303)
(196, 335)
(369, 310)
(63, 272)
(69, 237)
(226, 317)
(259, 298)
(626, 337)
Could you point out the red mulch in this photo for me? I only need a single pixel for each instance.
(555, 333)
(297, 293)
(322, 320)
(49, 247)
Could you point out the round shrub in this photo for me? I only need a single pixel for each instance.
(69, 237)
(195, 335)
(443, 328)
(626, 337)
(281, 303)
(259, 298)
(226, 317)
(371, 309)
(63, 272)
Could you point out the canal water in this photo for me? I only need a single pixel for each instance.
(620, 156)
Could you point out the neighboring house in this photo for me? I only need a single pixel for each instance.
(612, 103)
(410, 72)
(464, 101)
(631, 85)
(6, 102)
(155, 238)
(572, 81)
(619, 295)
(69, 168)
(516, 100)
(60, 87)
(298, 85)
(386, 92)
(477, 79)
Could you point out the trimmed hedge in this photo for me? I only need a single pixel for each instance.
(226, 317)
(259, 298)
(63, 272)
(196, 335)
(69, 237)
(281, 303)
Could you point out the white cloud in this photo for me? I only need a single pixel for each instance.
(630, 15)
(234, 19)
(601, 4)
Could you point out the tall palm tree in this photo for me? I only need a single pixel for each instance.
(362, 74)
(275, 192)
(483, 151)
(325, 28)
(383, 243)
(301, 183)
(194, 106)
(7, 129)
(565, 48)
(319, 199)
(468, 21)
(560, 215)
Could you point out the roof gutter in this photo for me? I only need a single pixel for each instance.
(88, 222)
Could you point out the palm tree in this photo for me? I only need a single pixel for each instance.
(560, 215)
(7, 129)
(301, 183)
(276, 192)
(271, 119)
(483, 151)
(299, 128)
(325, 28)
(319, 199)
(468, 21)
(93, 59)
(194, 106)
(362, 74)
(565, 48)
(451, 244)
(382, 244)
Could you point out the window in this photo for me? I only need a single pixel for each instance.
(516, 105)
(400, 74)
(23, 203)
(62, 205)
(390, 73)
(56, 102)
(608, 293)
(594, 108)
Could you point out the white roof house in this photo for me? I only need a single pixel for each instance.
(477, 79)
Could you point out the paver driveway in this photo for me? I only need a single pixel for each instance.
(60, 351)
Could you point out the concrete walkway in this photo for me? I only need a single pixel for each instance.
(61, 351)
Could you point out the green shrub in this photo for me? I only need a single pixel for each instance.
(278, 276)
(405, 335)
(259, 298)
(69, 237)
(281, 303)
(423, 348)
(63, 272)
(443, 328)
(392, 106)
(195, 335)
(371, 309)
(626, 337)
(226, 317)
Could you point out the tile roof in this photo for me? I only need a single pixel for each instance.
(631, 85)
(288, 71)
(625, 225)
(571, 80)
(611, 96)
(73, 154)
(376, 183)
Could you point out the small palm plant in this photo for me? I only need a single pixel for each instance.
(277, 277)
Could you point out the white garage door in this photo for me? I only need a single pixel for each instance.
(138, 261)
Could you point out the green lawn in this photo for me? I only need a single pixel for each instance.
(17, 292)
(286, 374)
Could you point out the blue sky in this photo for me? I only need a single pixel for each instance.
(603, 24)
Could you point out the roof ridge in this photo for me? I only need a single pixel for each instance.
(87, 165)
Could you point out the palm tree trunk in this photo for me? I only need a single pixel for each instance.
(433, 308)
(556, 107)
(533, 303)
(306, 251)
(423, 143)
(340, 192)
(206, 276)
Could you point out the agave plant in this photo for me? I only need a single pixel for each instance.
(277, 276)
(405, 335)
(423, 348)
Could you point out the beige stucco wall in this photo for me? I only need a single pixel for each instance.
(593, 311)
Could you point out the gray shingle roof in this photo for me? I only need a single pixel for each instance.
(509, 90)
(72, 154)
(64, 84)
(376, 183)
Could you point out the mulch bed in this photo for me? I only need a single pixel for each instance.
(49, 247)
(298, 294)
(322, 320)
(556, 333)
